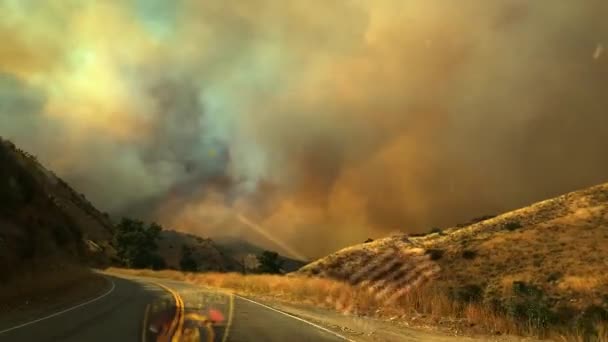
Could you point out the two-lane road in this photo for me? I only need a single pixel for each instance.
(142, 309)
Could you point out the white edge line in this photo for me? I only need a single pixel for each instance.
(61, 312)
(298, 318)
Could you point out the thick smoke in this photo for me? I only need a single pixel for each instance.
(318, 122)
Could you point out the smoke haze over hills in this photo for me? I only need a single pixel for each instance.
(321, 122)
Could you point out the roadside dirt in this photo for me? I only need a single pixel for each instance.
(367, 329)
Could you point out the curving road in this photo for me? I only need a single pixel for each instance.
(143, 309)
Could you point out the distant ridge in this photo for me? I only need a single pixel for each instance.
(239, 248)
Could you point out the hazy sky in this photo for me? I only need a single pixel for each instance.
(319, 122)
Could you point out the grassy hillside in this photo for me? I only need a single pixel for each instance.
(544, 265)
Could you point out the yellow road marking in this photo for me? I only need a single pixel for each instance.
(177, 323)
(177, 336)
(144, 328)
(230, 314)
(178, 320)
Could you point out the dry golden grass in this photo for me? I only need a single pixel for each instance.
(425, 304)
(342, 297)
(602, 335)
(586, 283)
(558, 248)
(293, 289)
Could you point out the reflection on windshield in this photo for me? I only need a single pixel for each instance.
(205, 317)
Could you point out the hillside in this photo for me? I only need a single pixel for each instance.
(42, 219)
(240, 249)
(543, 264)
(205, 252)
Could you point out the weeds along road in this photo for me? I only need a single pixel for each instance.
(145, 309)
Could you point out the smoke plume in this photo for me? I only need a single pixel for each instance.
(319, 122)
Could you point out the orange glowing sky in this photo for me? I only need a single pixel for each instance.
(321, 122)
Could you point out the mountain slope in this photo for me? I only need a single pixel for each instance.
(240, 249)
(547, 262)
(43, 220)
(205, 252)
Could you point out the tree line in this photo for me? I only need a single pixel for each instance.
(136, 244)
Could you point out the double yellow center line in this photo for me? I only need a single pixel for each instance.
(176, 327)
(177, 323)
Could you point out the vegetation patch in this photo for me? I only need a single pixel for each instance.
(434, 253)
(469, 254)
(512, 225)
(470, 293)
(136, 244)
(187, 262)
(529, 305)
(270, 263)
(554, 276)
(589, 320)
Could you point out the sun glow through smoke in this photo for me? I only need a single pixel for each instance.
(268, 235)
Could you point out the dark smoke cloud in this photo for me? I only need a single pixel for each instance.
(321, 123)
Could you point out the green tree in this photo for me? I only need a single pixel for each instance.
(270, 263)
(187, 262)
(136, 244)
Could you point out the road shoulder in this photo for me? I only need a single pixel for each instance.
(54, 301)
(368, 329)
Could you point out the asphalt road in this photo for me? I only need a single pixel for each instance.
(142, 309)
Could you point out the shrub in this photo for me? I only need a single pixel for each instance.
(469, 293)
(520, 288)
(513, 225)
(469, 254)
(565, 314)
(554, 276)
(589, 319)
(270, 263)
(534, 311)
(528, 304)
(434, 253)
